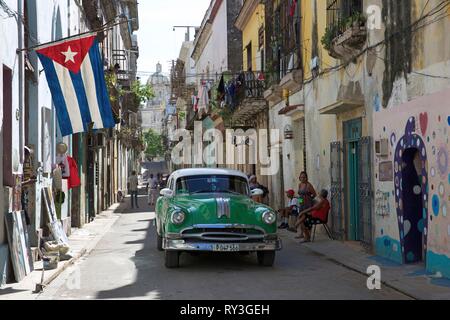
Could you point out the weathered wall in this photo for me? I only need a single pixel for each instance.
(419, 96)
(215, 54)
(233, 36)
(9, 58)
(250, 34)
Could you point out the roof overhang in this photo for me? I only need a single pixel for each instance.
(246, 13)
(341, 106)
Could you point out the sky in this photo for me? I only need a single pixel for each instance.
(157, 40)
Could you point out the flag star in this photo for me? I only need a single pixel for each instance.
(69, 55)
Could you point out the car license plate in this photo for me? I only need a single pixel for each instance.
(225, 247)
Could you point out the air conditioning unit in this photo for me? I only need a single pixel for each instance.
(382, 147)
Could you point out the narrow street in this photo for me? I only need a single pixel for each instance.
(126, 265)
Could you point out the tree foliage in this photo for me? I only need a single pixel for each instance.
(154, 144)
(143, 92)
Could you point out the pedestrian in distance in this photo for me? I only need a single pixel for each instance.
(132, 185)
(153, 193)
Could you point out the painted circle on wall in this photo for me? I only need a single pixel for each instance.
(444, 210)
(441, 190)
(433, 172)
(421, 225)
(442, 160)
(436, 205)
(393, 139)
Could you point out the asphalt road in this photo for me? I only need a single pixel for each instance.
(126, 265)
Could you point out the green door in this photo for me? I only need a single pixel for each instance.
(352, 136)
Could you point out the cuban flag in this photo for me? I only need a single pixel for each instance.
(74, 72)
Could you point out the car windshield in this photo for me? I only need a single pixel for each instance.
(212, 184)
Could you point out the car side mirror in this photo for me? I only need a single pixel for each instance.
(166, 193)
(257, 192)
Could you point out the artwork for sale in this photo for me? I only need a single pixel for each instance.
(18, 245)
(54, 224)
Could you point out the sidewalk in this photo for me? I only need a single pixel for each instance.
(82, 242)
(411, 280)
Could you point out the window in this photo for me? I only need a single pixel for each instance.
(249, 56)
(212, 184)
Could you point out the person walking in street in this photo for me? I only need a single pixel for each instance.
(153, 194)
(133, 189)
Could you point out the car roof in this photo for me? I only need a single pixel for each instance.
(207, 171)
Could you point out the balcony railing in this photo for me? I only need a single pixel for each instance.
(250, 87)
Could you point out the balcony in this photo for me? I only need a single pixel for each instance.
(346, 32)
(350, 98)
(292, 81)
(250, 98)
(273, 95)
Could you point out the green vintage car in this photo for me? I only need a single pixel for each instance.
(212, 210)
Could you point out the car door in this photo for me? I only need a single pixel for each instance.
(162, 208)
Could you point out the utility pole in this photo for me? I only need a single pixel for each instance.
(188, 31)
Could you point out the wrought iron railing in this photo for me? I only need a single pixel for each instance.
(250, 87)
(342, 14)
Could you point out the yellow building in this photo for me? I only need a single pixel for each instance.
(251, 22)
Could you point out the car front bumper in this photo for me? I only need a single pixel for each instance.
(183, 245)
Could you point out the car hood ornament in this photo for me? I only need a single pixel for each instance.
(223, 207)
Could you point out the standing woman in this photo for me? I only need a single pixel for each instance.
(306, 193)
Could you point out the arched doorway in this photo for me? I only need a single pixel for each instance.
(411, 194)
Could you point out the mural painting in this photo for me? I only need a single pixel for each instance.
(417, 230)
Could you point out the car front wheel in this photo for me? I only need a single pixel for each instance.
(266, 258)
(172, 259)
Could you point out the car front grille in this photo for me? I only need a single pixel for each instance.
(224, 235)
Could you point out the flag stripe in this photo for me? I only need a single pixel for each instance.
(91, 92)
(58, 96)
(100, 86)
(70, 98)
(82, 105)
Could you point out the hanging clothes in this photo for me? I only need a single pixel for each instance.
(221, 89)
(203, 96)
(61, 161)
(74, 179)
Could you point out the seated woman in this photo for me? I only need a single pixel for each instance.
(315, 215)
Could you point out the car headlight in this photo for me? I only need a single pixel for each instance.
(177, 217)
(269, 217)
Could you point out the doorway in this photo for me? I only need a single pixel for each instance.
(412, 205)
(352, 137)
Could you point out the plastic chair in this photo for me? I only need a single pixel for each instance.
(325, 225)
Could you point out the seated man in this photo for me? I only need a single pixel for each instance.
(291, 210)
(315, 215)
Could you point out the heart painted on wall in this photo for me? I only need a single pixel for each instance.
(423, 123)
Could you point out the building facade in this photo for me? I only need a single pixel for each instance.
(30, 135)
